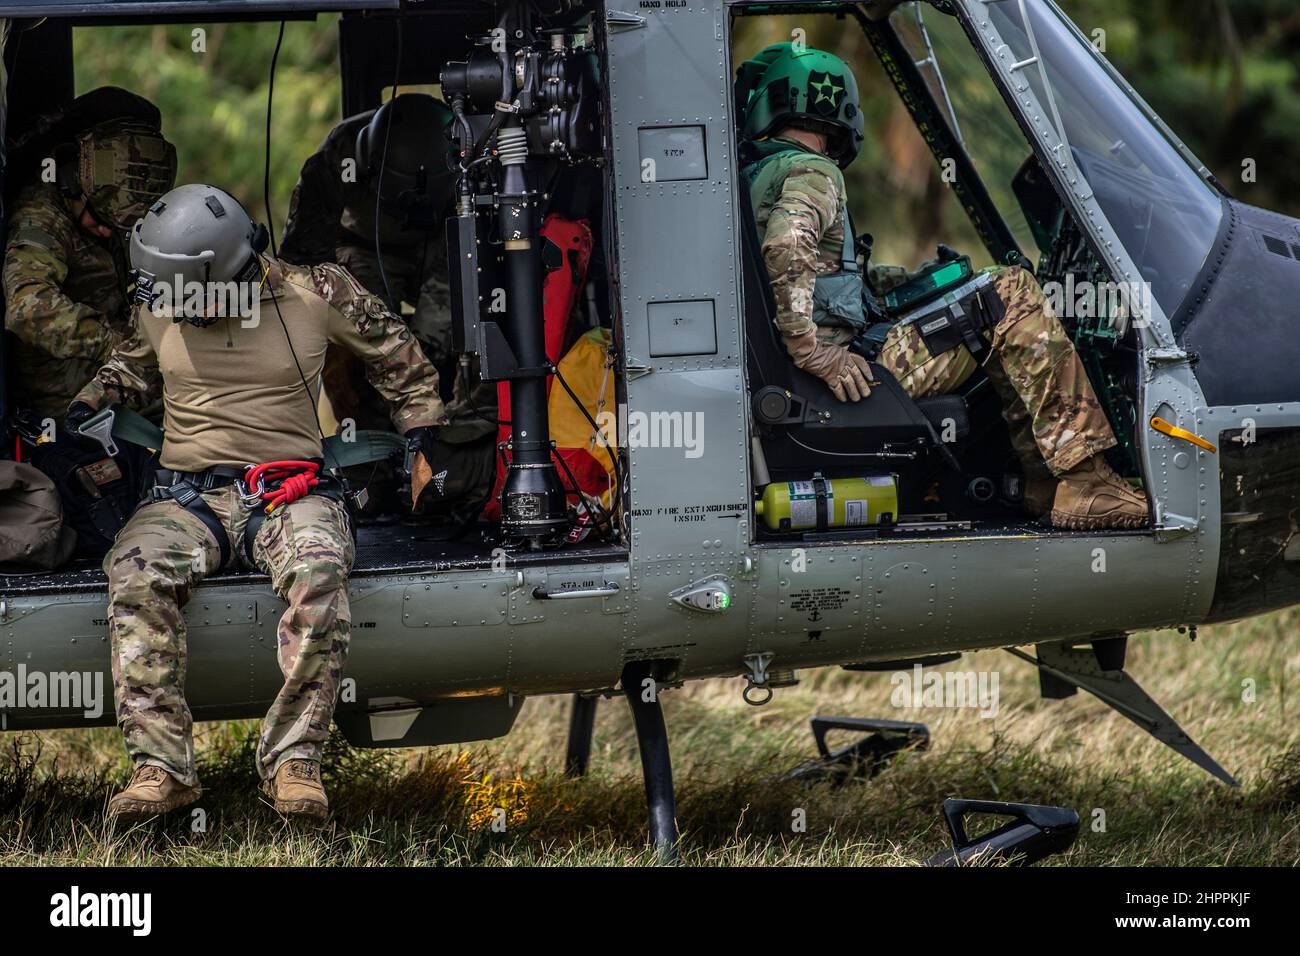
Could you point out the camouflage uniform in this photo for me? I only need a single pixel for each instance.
(332, 219)
(64, 299)
(1047, 400)
(305, 547)
(157, 561)
(65, 288)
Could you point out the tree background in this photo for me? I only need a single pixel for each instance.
(1223, 74)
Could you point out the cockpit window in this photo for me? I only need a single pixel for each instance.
(970, 102)
(1165, 214)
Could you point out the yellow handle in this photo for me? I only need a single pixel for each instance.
(1173, 431)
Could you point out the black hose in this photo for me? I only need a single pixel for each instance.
(383, 160)
(266, 163)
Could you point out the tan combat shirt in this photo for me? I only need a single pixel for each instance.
(232, 394)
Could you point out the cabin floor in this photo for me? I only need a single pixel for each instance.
(381, 549)
(900, 533)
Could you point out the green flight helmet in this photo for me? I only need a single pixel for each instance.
(809, 89)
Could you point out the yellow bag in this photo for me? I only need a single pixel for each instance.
(588, 369)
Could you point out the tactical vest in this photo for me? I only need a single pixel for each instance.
(837, 297)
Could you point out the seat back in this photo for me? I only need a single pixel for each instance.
(835, 438)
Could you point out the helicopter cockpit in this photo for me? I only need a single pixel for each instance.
(982, 189)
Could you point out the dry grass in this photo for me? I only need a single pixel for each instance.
(435, 806)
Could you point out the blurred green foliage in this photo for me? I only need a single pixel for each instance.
(212, 87)
(1225, 74)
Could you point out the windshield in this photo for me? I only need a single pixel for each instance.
(969, 99)
(1164, 213)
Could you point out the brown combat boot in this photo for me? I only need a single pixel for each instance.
(297, 790)
(1091, 497)
(152, 792)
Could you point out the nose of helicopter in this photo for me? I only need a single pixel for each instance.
(1259, 517)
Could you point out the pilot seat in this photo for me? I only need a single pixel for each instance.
(805, 430)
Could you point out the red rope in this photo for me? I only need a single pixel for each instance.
(290, 479)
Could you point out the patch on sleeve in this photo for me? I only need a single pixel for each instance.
(32, 232)
(341, 289)
(40, 223)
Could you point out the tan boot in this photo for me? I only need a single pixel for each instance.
(297, 790)
(152, 792)
(1091, 497)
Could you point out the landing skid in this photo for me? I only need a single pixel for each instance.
(582, 724)
(1083, 667)
(1033, 833)
(884, 740)
(641, 688)
(656, 764)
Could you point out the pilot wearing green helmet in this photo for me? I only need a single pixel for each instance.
(801, 126)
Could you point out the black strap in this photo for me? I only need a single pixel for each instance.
(821, 488)
(966, 317)
(218, 476)
(986, 310)
(185, 495)
(257, 517)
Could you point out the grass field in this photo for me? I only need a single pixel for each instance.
(435, 806)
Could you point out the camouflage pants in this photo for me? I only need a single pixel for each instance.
(1049, 404)
(155, 564)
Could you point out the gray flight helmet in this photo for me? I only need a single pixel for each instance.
(194, 234)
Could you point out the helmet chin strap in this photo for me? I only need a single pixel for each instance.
(246, 276)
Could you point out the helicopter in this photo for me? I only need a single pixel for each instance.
(742, 553)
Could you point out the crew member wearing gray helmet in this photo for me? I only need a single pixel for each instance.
(237, 341)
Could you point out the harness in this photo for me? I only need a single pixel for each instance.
(840, 298)
(958, 317)
(262, 488)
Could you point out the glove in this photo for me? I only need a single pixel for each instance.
(846, 372)
(78, 414)
(420, 444)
